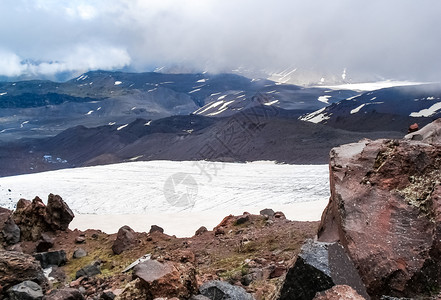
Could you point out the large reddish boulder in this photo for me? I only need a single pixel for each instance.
(169, 279)
(125, 239)
(16, 267)
(34, 217)
(385, 209)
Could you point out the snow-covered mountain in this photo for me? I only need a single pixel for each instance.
(294, 98)
(388, 109)
(39, 108)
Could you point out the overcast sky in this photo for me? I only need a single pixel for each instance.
(394, 39)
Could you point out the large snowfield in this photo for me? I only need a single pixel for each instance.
(178, 196)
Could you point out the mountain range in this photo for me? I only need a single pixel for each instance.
(108, 117)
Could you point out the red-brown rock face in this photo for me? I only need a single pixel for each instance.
(34, 217)
(385, 208)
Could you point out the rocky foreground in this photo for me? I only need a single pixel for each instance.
(379, 238)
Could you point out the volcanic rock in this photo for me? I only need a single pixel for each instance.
(242, 219)
(156, 228)
(319, 267)
(11, 232)
(34, 217)
(125, 239)
(341, 292)
(58, 213)
(89, 270)
(267, 212)
(45, 243)
(217, 289)
(53, 258)
(385, 209)
(16, 267)
(64, 294)
(412, 128)
(27, 290)
(279, 215)
(166, 279)
(79, 252)
(201, 230)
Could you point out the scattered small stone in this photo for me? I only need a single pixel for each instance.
(277, 271)
(16, 248)
(201, 230)
(267, 212)
(222, 290)
(242, 219)
(219, 231)
(412, 128)
(79, 252)
(94, 236)
(107, 295)
(156, 228)
(199, 297)
(64, 294)
(80, 240)
(341, 292)
(279, 215)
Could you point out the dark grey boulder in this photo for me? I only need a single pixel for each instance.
(89, 270)
(267, 212)
(319, 267)
(11, 232)
(53, 258)
(156, 228)
(27, 290)
(221, 290)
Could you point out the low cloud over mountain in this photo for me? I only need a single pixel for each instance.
(393, 39)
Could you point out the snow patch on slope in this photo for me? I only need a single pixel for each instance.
(428, 111)
(324, 99)
(316, 117)
(357, 109)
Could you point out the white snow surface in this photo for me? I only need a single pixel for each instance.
(134, 193)
(428, 111)
(324, 99)
(122, 126)
(316, 116)
(357, 109)
(118, 82)
(371, 86)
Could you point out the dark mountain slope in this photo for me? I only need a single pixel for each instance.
(385, 109)
(262, 133)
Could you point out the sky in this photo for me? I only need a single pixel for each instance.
(393, 39)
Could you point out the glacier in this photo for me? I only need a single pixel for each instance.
(179, 196)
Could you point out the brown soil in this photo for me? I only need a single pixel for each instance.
(229, 252)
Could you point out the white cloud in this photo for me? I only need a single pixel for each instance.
(10, 64)
(392, 39)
